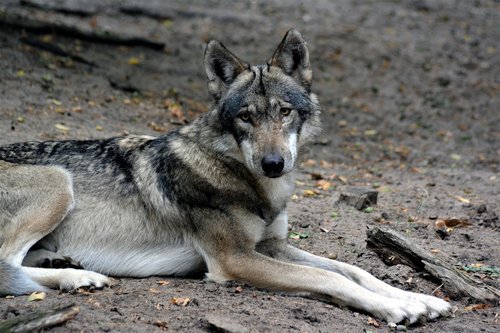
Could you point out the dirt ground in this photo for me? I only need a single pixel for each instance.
(410, 91)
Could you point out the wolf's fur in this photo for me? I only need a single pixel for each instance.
(210, 196)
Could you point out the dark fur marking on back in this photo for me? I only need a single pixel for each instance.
(262, 89)
(101, 159)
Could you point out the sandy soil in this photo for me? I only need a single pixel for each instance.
(410, 94)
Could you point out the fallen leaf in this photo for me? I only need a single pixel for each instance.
(20, 73)
(238, 290)
(93, 22)
(368, 210)
(462, 199)
(482, 268)
(309, 163)
(37, 296)
(155, 127)
(343, 179)
(99, 128)
(134, 61)
(373, 322)
(310, 193)
(370, 132)
(163, 282)
(323, 184)
(154, 291)
(475, 307)
(180, 301)
(297, 235)
(62, 128)
(167, 23)
(56, 102)
(175, 109)
(451, 223)
(325, 164)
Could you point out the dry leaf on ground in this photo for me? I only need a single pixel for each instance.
(451, 223)
(180, 301)
(37, 296)
(475, 307)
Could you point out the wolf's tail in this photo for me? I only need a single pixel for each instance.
(13, 281)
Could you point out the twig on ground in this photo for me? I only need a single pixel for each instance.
(38, 320)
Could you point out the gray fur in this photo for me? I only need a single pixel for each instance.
(14, 282)
(210, 196)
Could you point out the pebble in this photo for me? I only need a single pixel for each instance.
(359, 197)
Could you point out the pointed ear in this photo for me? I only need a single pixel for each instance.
(222, 67)
(292, 57)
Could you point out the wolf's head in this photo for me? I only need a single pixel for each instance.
(268, 109)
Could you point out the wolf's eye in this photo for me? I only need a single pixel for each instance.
(245, 116)
(285, 111)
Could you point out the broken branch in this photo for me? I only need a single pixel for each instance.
(395, 249)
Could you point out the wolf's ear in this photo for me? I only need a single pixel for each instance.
(222, 67)
(292, 57)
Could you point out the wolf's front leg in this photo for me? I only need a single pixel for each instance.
(265, 272)
(280, 250)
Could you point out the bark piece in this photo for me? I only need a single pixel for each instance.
(395, 249)
(359, 197)
(39, 320)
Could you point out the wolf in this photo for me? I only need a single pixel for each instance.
(207, 197)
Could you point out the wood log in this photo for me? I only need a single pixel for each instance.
(38, 320)
(395, 249)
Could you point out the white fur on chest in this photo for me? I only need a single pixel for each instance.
(278, 190)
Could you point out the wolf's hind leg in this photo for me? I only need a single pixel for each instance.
(67, 278)
(49, 259)
(33, 201)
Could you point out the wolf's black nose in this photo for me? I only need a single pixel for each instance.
(272, 164)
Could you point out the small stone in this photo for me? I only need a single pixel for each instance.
(332, 256)
(359, 197)
(223, 323)
(481, 209)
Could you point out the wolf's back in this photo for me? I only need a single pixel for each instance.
(13, 281)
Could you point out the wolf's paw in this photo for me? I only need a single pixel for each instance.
(74, 278)
(436, 307)
(61, 262)
(397, 311)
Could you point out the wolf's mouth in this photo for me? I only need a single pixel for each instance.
(274, 174)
